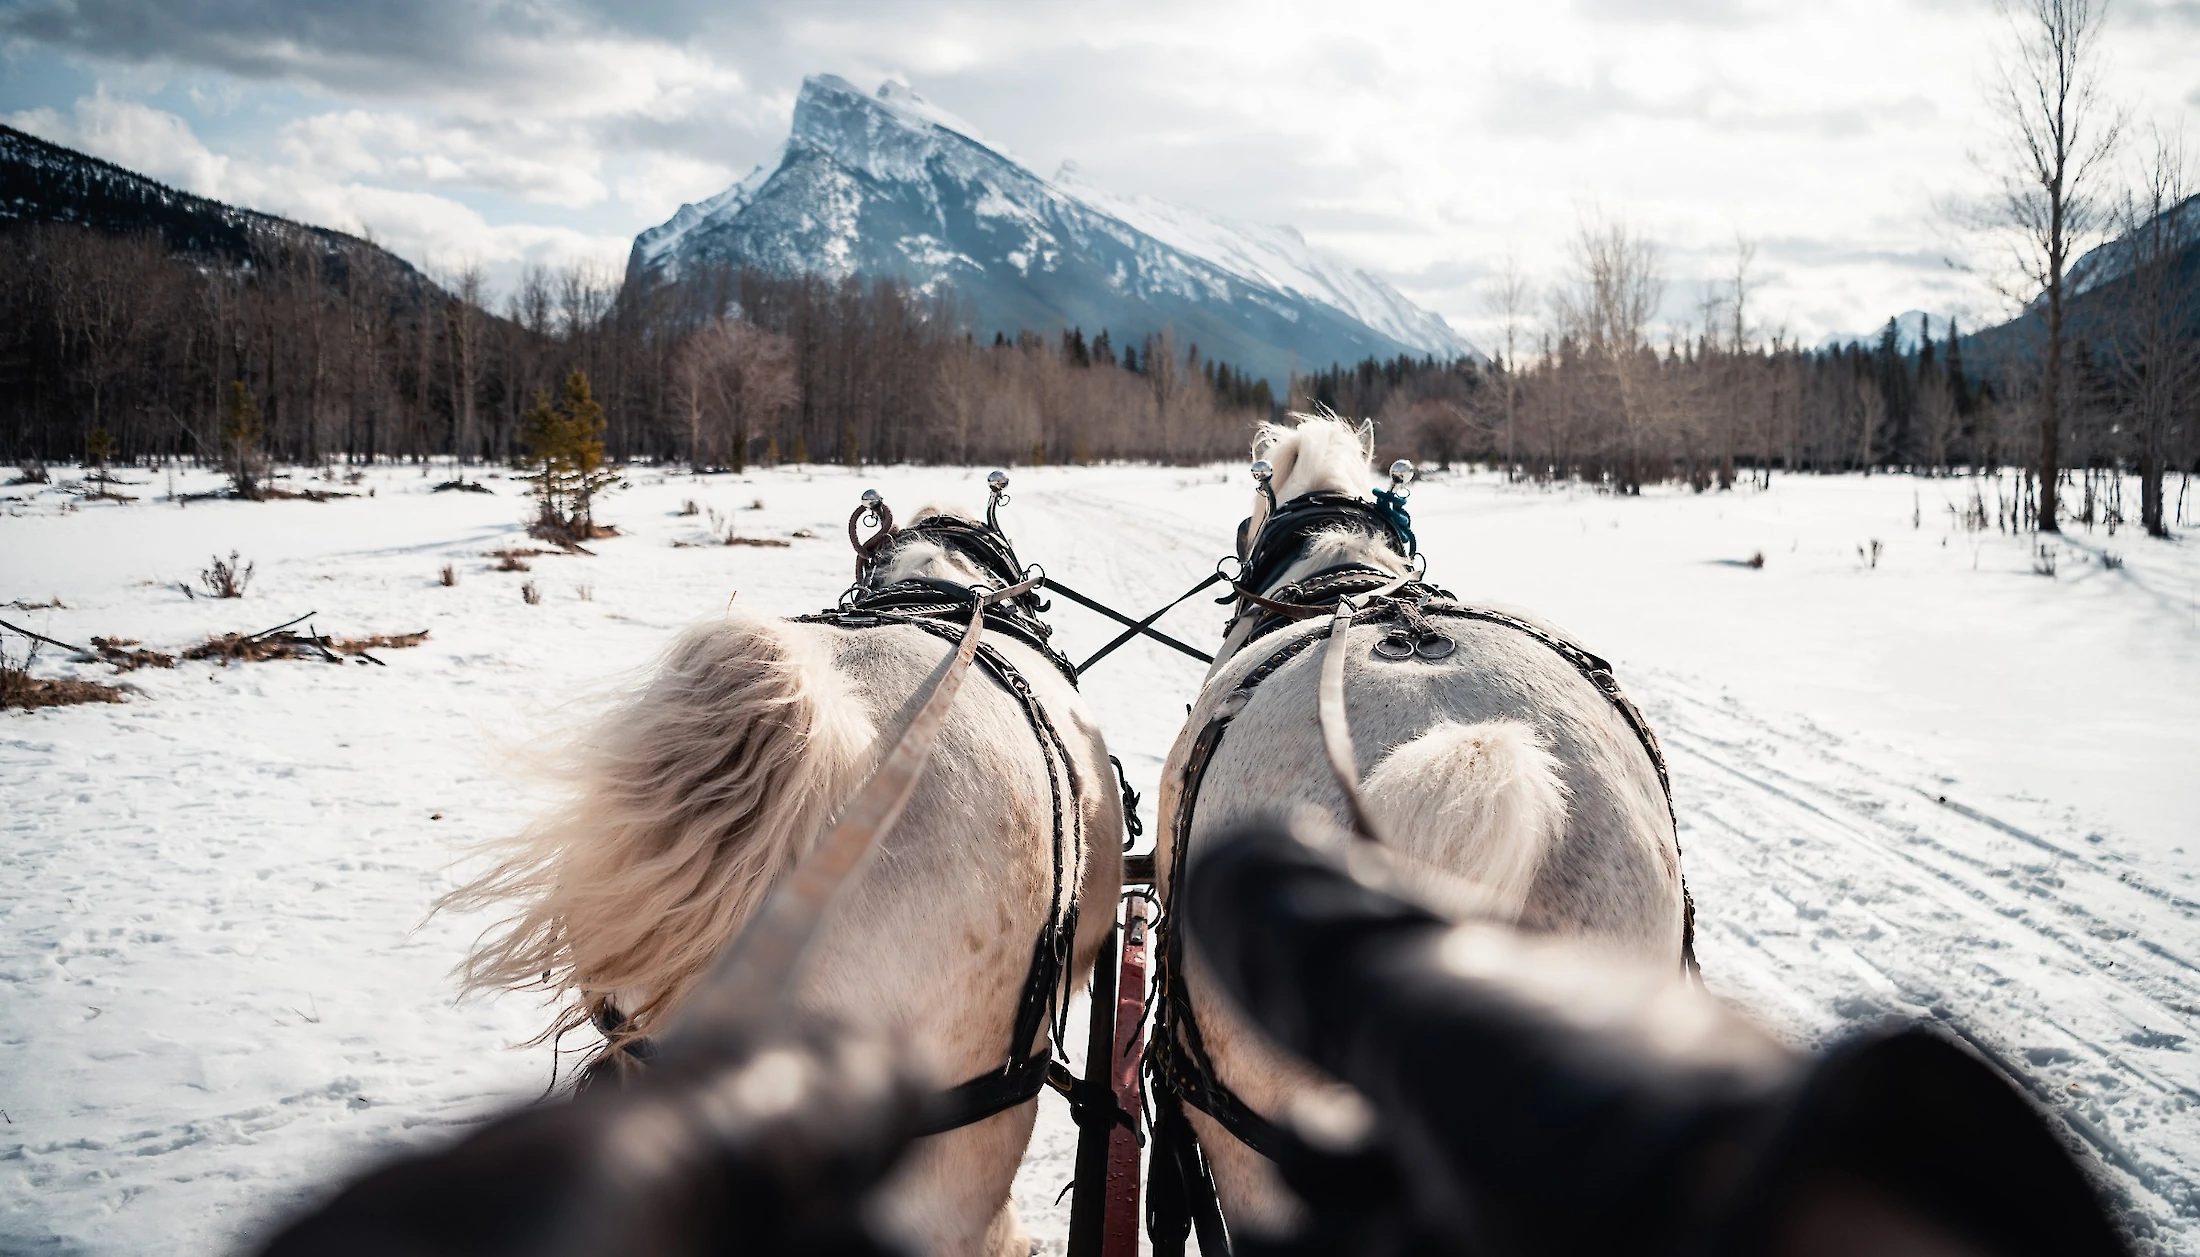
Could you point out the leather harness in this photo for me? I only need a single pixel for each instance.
(943, 608)
(1177, 1058)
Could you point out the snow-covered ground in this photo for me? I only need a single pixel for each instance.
(1940, 786)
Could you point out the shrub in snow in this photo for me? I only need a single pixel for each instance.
(226, 579)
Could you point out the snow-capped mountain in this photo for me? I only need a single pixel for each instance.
(1279, 257)
(892, 185)
(2106, 263)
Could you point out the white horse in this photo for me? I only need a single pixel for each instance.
(1500, 764)
(726, 768)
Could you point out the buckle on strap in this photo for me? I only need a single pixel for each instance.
(1090, 1101)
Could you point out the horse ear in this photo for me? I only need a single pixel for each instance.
(1367, 439)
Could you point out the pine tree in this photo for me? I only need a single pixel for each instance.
(241, 435)
(99, 446)
(1956, 381)
(584, 427)
(565, 454)
(542, 432)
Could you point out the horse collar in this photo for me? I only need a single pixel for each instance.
(1284, 533)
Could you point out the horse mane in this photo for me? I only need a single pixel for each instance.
(1315, 452)
(684, 803)
(919, 557)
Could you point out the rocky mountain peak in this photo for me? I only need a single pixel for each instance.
(890, 184)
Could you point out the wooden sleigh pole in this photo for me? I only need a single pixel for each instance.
(1104, 1219)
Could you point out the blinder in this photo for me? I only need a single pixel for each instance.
(1284, 533)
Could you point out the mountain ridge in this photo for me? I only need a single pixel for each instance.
(44, 182)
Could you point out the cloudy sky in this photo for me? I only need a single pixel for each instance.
(1424, 141)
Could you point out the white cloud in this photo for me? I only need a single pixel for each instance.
(527, 161)
(321, 179)
(134, 135)
(1419, 138)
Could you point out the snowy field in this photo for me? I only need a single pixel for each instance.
(1938, 786)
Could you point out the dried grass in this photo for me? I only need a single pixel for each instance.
(376, 641)
(569, 537)
(119, 653)
(19, 689)
(227, 648)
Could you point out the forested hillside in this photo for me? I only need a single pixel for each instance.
(46, 183)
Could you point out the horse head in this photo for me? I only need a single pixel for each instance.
(940, 544)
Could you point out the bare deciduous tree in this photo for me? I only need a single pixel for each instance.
(731, 378)
(1508, 299)
(2058, 134)
(1739, 333)
(1605, 305)
(464, 311)
(2153, 347)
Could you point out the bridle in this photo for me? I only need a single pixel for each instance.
(985, 546)
(1284, 535)
(1285, 530)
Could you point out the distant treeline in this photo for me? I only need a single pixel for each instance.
(1699, 412)
(116, 335)
(113, 334)
(1706, 414)
(1595, 398)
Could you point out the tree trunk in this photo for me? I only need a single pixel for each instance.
(2051, 397)
(2150, 489)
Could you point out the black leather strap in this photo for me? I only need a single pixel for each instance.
(943, 602)
(1180, 1193)
(981, 1097)
(1137, 627)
